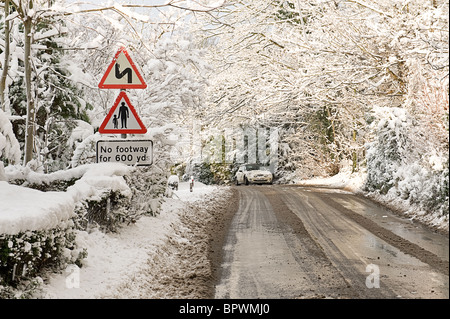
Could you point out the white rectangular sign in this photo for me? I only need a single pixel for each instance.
(129, 152)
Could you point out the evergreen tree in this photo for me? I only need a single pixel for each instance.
(57, 101)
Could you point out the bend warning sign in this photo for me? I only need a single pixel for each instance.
(122, 118)
(122, 73)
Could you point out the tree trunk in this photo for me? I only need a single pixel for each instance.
(31, 113)
(6, 61)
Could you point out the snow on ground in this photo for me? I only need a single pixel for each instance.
(128, 264)
(115, 260)
(345, 180)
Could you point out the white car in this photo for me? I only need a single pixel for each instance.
(253, 174)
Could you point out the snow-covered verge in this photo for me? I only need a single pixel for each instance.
(41, 214)
(134, 263)
(127, 263)
(408, 165)
(352, 182)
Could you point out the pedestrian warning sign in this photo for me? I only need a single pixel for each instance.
(122, 73)
(122, 118)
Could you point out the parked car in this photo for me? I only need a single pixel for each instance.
(253, 174)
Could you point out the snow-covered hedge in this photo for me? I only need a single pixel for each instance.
(211, 173)
(24, 254)
(403, 171)
(36, 230)
(90, 186)
(39, 218)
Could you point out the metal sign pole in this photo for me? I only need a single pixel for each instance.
(123, 135)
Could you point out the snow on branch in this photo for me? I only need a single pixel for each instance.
(365, 5)
(9, 146)
(189, 5)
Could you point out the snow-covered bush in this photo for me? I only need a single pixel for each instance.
(403, 168)
(426, 188)
(23, 255)
(388, 152)
(37, 230)
(112, 209)
(212, 173)
(148, 186)
(85, 151)
(107, 211)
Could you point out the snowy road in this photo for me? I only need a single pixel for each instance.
(300, 242)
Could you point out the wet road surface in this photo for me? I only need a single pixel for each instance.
(305, 242)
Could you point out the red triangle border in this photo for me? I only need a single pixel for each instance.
(102, 84)
(103, 130)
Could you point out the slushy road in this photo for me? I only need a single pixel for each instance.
(306, 242)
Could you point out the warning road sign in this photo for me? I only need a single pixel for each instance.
(129, 152)
(122, 73)
(122, 118)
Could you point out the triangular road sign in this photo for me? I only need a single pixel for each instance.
(122, 73)
(122, 118)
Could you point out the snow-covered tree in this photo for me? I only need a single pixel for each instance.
(41, 20)
(36, 86)
(318, 68)
(171, 65)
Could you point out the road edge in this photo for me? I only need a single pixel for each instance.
(217, 233)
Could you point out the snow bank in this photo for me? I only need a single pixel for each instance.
(199, 191)
(116, 260)
(24, 209)
(352, 182)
